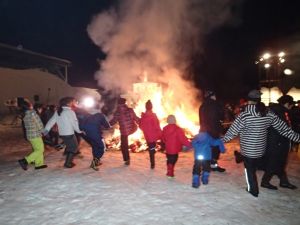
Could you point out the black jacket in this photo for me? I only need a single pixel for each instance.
(211, 114)
(275, 141)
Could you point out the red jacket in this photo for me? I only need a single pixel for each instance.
(174, 138)
(149, 124)
(126, 118)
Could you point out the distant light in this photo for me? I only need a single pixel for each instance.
(288, 72)
(281, 54)
(266, 56)
(256, 62)
(88, 102)
(200, 157)
(281, 60)
(267, 65)
(261, 59)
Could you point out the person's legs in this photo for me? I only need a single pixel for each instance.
(124, 149)
(98, 147)
(151, 147)
(171, 161)
(37, 156)
(196, 174)
(250, 174)
(206, 171)
(71, 149)
(215, 152)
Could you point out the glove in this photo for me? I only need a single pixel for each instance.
(45, 132)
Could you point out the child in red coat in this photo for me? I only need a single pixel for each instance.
(174, 138)
(149, 124)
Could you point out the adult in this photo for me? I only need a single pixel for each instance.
(128, 121)
(149, 124)
(67, 124)
(211, 114)
(278, 146)
(252, 126)
(295, 121)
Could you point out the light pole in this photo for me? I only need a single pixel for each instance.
(271, 65)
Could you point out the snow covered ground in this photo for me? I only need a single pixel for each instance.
(134, 194)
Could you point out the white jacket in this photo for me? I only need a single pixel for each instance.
(67, 122)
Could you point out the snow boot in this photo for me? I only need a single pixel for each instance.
(41, 167)
(170, 170)
(196, 181)
(94, 164)
(152, 158)
(205, 177)
(69, 160)
(23, 163)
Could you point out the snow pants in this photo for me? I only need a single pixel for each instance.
(124, 147)
(201, 165)
(37, 155)
(71, 143)
(251, 165)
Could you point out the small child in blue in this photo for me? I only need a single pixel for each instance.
(202, 144)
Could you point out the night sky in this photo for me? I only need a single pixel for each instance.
(58, 28)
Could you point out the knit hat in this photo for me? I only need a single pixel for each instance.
(286, 99)
(171, 119)
(208, 94)
(254, 95)
(121, 101)
(148, 105)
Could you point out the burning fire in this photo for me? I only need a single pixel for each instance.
(164, 104)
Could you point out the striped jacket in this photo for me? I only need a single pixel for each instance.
(252, 129)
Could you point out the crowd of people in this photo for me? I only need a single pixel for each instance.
(265, 136)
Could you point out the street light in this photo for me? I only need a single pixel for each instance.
(272, 67)
(288, 72)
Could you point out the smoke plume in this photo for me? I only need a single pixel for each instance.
(157, 36)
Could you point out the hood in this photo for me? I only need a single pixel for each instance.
(250, 109)
(147, 114)
(170, 128)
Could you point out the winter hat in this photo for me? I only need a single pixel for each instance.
(171, 119)
(254, 95)
(208, 94)
(286, 99)
(148, 105)
(121, 101)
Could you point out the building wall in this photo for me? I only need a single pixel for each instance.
(30, 82)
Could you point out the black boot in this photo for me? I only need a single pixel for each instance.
(265, 181)
(288, 185)
(23, 163)
(69, 160)
(152, 158)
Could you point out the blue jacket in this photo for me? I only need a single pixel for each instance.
(202, 143)
(93, 124)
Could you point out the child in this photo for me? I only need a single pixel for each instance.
(34, 127)
(202, 144)
(174, 138)
(67, 123)
(92, 123)
(149, 124)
